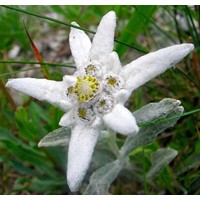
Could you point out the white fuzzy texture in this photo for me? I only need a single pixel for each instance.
(151, 65)
(42, 89)
(121, 96)
(67, 119)
(69, 80)
(81, 147)
(80, 45)
(103, 41)
(121, 120)
(113, 63)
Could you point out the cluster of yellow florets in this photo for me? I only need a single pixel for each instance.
(86, 88)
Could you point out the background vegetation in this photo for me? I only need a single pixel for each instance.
(27, 169)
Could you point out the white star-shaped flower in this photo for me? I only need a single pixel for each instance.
(94, 96)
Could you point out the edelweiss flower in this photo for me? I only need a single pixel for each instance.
(94, 96)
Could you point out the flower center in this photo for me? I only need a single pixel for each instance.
(93, 70)
(86, 114)
(112, 83)
(104, 104)
(86, 88)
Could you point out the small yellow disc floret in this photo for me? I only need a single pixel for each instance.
(82, 112)
(86, 88)
(112, 81)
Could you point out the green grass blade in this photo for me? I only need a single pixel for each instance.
(177, 24)
(69, 25)
(70, 65)
(135, 26)
(170, 118)
(188, 77)
(47, 18)
(16, 72)
(167, 35)
(192, 22)
(191, 26)
(144, 171)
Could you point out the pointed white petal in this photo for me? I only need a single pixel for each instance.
(68, 118)
(151, 65)
(113, 63)
(103, 41)
(69, 80)
(121, 120)
(81, 147)
(97, 123)
(80, 45)
(122, 96)
(42, 89)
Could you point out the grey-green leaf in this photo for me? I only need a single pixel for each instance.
(102, 178)
(61, 137)
(154, 111)
(160, 159)
(58, 137)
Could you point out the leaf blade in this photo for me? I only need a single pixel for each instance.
(102, 178)
(163, 109)
(161, 158)
(58, 137)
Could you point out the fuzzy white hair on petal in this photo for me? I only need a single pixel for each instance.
(121, 120)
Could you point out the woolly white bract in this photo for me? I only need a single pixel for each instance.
(94, 97)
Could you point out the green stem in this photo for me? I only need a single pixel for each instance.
(112, 143)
